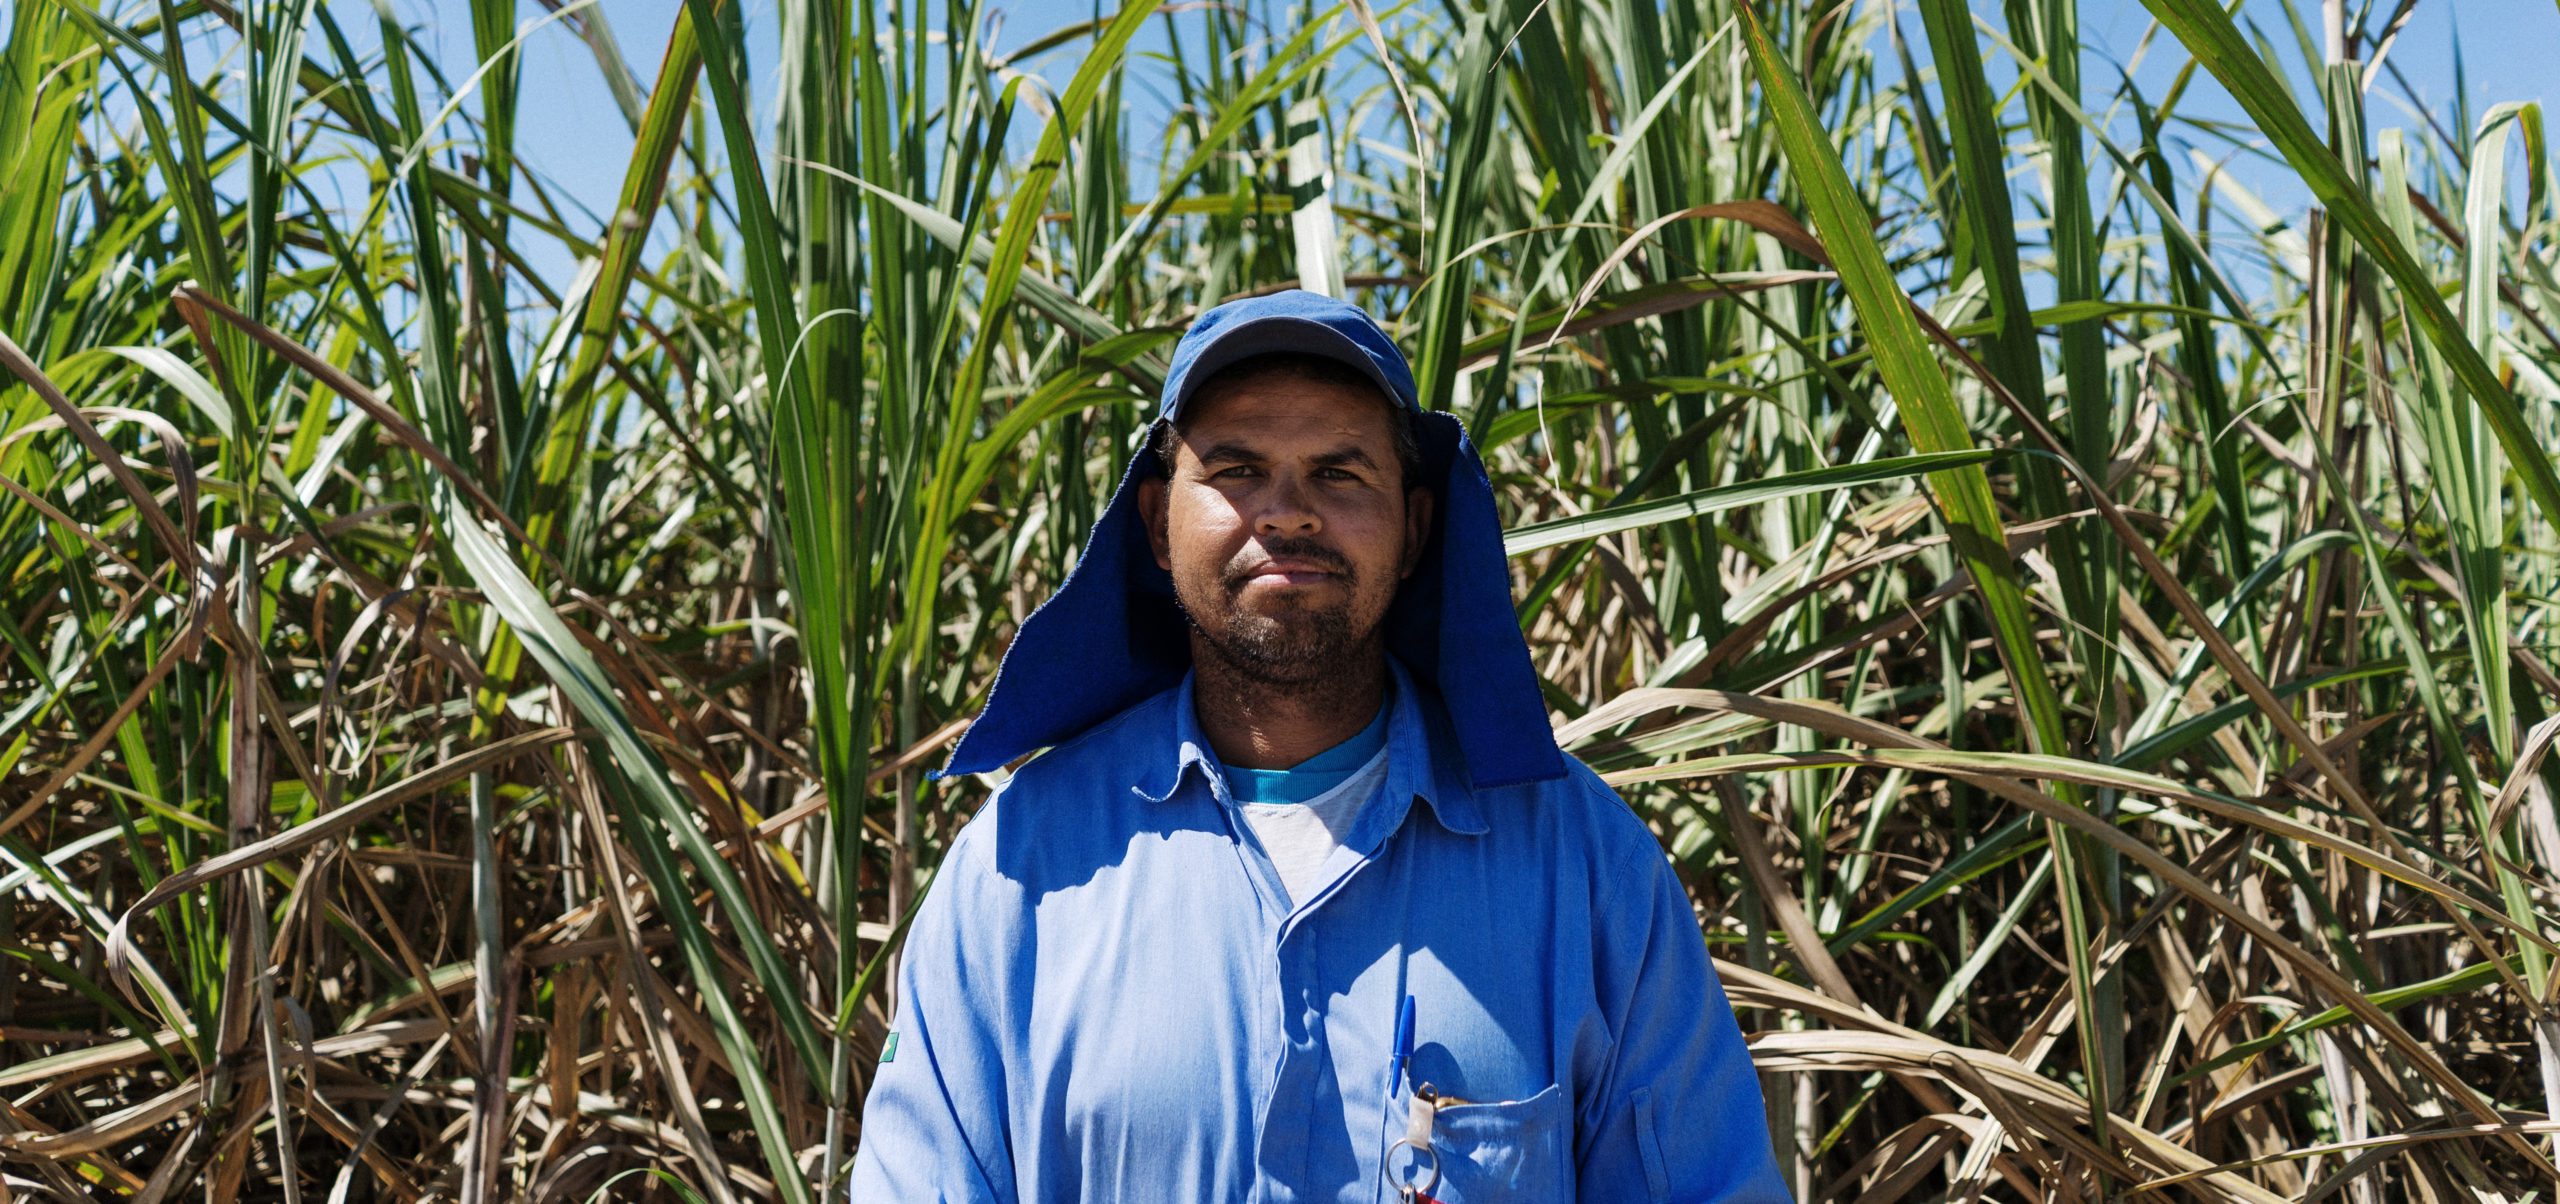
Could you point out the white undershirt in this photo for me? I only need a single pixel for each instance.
(1302, 838)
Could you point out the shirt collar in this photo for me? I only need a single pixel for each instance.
(1423, 761)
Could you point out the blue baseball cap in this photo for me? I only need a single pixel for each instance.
(1293, 320)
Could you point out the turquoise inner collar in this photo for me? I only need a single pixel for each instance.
(1316, 774)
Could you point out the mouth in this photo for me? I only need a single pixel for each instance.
(1286, 572)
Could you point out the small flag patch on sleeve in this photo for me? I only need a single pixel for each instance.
(889, 1048)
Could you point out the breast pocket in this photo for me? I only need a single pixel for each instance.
(1517, 1150)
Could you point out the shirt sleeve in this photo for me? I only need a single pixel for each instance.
(1677, 1114)
(933, 1126)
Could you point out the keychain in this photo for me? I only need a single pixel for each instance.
(1417, 1138)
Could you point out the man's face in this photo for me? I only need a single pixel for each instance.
(1286, 523)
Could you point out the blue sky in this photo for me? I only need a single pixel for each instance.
(570, 132)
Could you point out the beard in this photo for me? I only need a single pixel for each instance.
(1296, 641)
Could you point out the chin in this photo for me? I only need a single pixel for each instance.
(1276, 637)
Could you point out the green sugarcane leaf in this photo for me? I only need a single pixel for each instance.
(1523, 540)
(2216, 42)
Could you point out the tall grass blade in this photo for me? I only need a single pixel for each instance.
(2209, 34)
(1934, 424)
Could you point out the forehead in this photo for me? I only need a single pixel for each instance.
(1280, 406)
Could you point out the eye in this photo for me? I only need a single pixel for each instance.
(1228, 472)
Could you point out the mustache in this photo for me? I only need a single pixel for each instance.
(1289, 549)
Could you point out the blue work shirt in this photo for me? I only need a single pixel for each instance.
(1107, 996)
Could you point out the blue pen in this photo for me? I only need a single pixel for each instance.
(1404, 1048)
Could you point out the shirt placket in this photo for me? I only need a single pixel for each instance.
(1281, 1148)
(1304, 1063)
(1283, 1046)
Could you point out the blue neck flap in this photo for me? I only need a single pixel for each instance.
(1113, 636)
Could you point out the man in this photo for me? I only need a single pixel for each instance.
(1302, 902)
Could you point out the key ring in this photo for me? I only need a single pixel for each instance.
(1410, 1191)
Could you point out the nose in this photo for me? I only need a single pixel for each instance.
(1286, 509)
